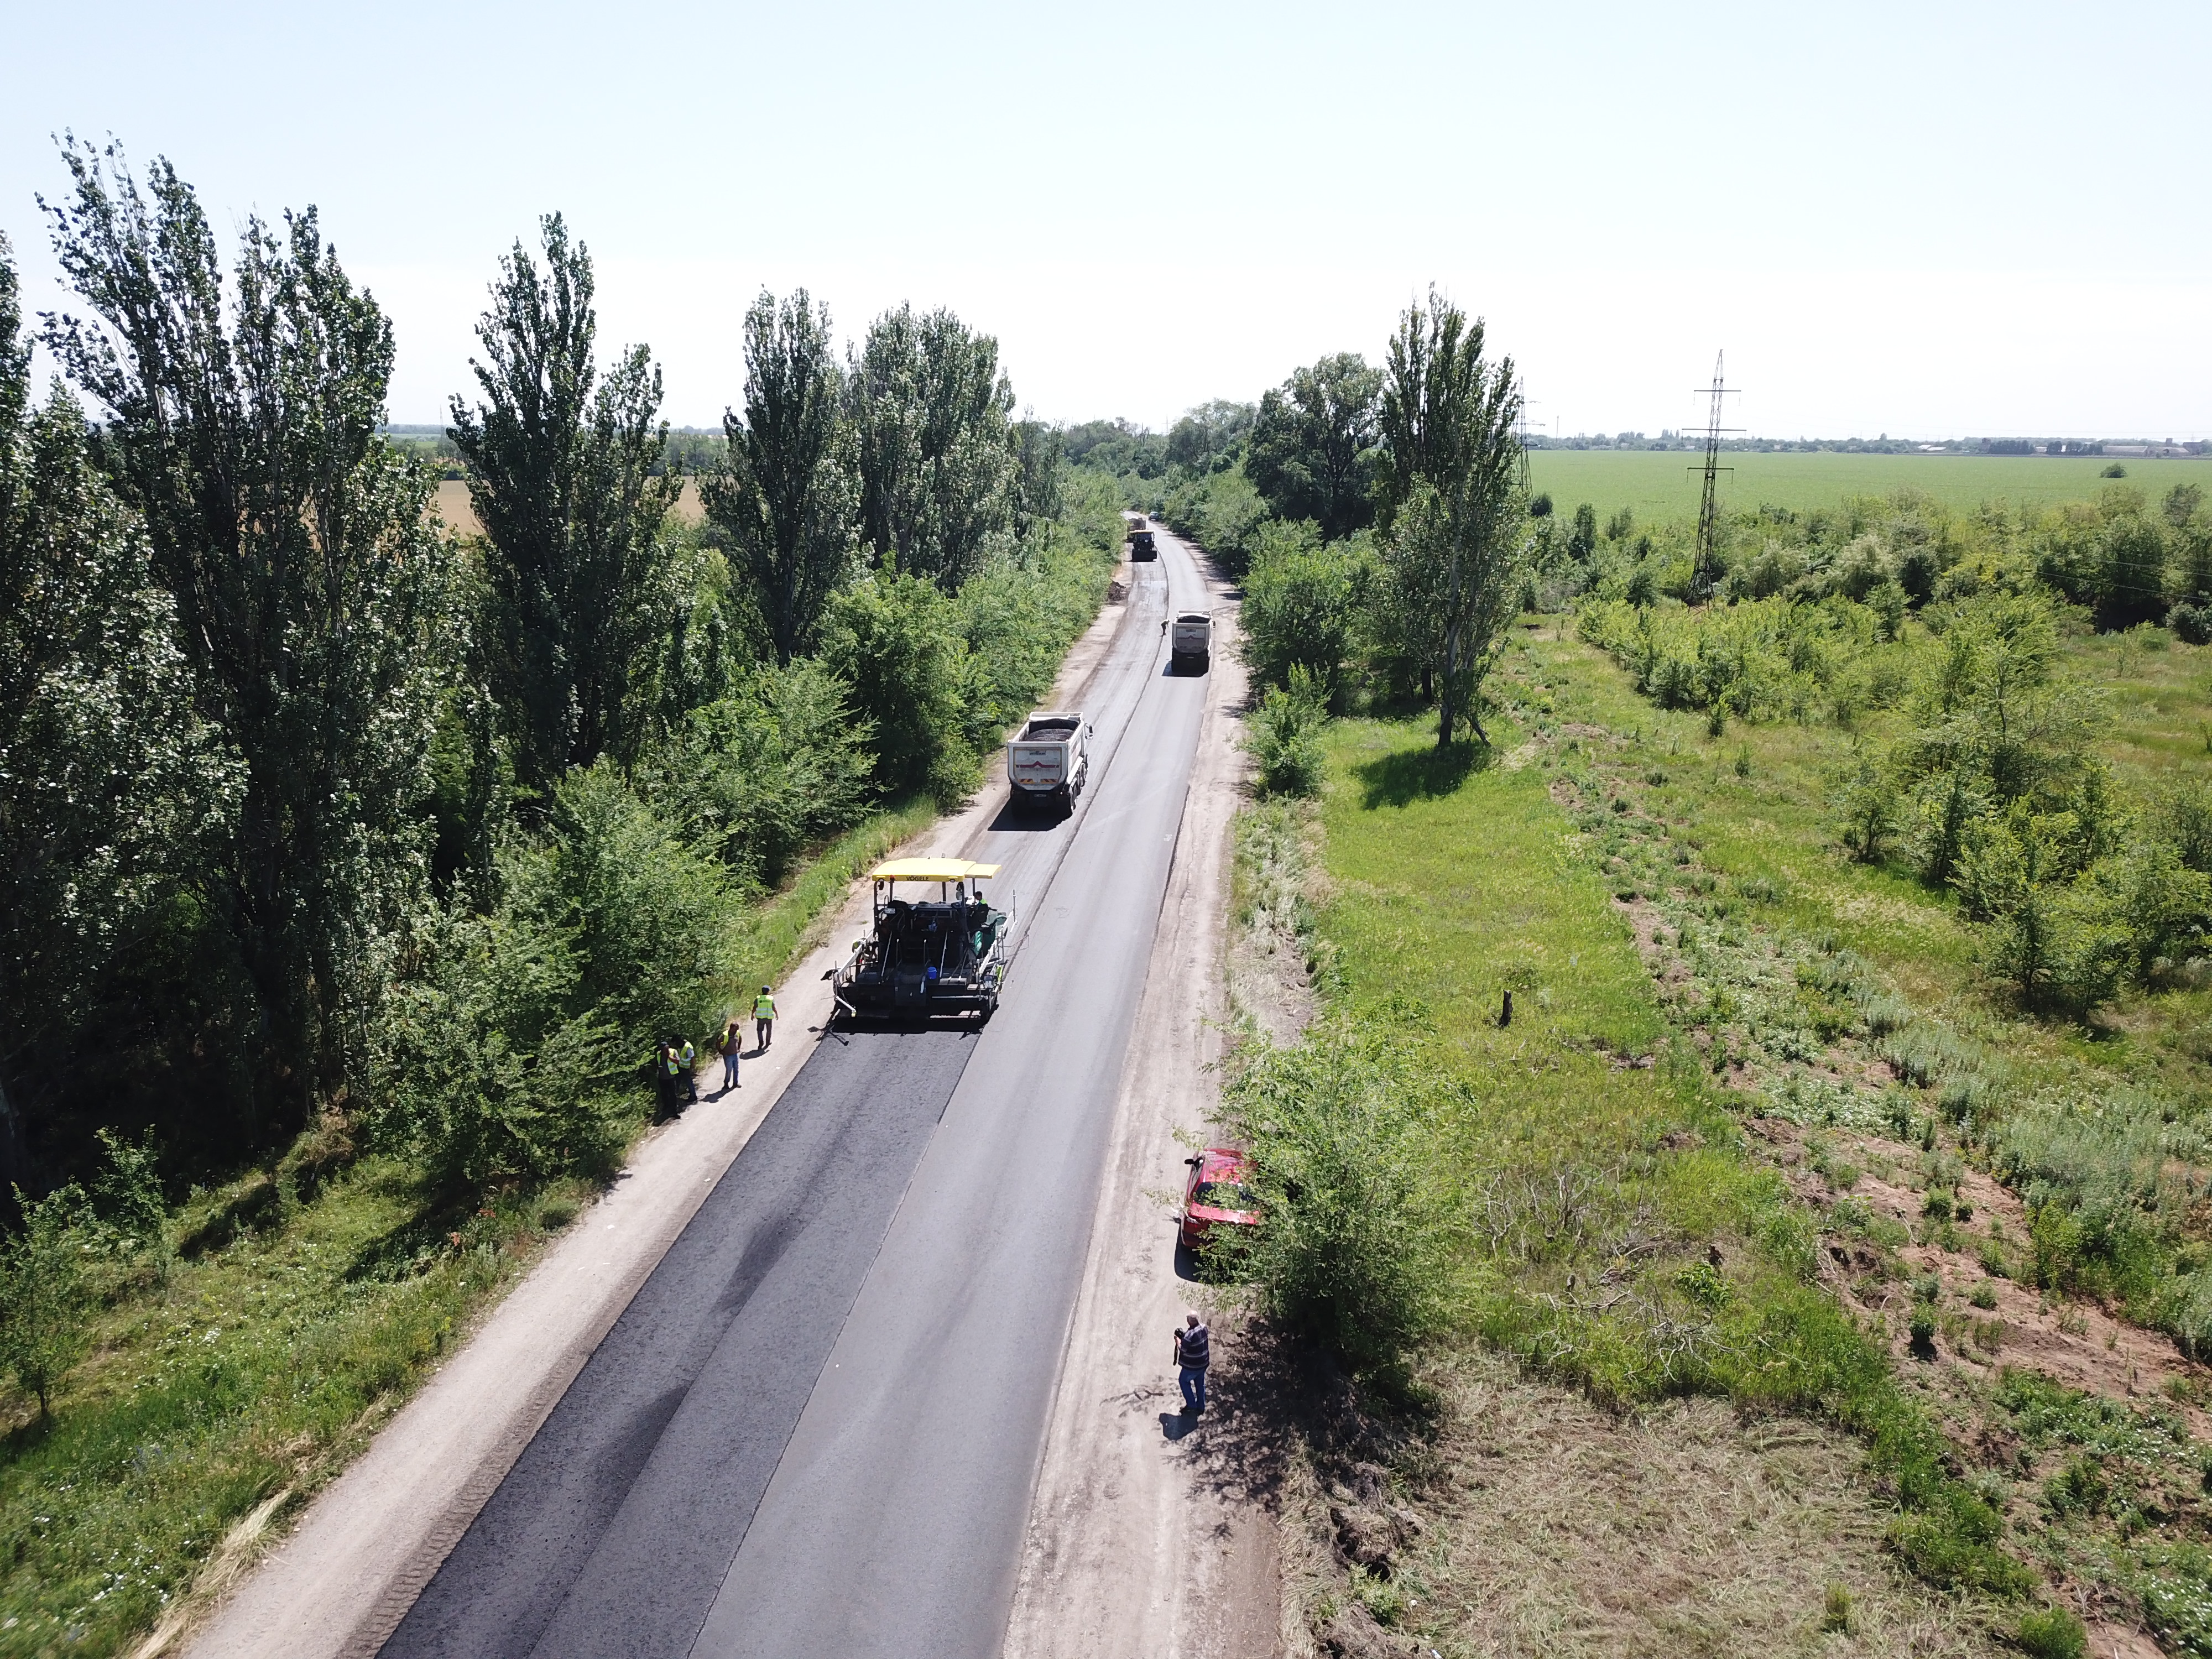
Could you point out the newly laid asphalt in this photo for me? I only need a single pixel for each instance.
(816, 1429)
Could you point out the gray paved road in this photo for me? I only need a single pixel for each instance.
(815, 1430)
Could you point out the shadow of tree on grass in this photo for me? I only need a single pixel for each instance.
(1423, 774)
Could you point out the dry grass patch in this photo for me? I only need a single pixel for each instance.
(1537, 1524)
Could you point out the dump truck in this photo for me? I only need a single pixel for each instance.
(1142, 546)
(1048, 760)
(926, 954)
(1190, 639)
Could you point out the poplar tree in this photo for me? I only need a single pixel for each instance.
(786, 498)
(111, 794)
(940, 465)
(313, 602)
(1449, 498)
(566, 475)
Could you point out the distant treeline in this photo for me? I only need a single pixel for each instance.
(686, 450)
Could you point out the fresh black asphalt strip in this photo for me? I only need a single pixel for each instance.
(649, 1470)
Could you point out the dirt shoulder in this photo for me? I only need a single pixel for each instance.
(358, 1555)
(1145, 1539)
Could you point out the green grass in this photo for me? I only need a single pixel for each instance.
(1658, 485)
(1779, 944)
(259, 1369)
(1607, 1225)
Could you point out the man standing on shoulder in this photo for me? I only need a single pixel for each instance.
(730, 1048)
(1191, 1346)
(763, 1019)
(688, 1057)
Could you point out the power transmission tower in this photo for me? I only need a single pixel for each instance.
(1702, 579)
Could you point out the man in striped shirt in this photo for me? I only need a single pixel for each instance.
(1191, 1355)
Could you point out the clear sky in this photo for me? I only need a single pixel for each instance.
(1925, 220)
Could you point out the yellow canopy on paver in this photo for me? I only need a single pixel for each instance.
(932, 870)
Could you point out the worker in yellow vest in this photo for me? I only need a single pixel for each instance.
(688, 1057)
(666, 1068)
(763, 1019)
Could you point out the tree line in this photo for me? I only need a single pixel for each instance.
(318, 819)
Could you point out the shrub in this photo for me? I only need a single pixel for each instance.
(1355, 1247)
(895, 641)
(1284, 738)
(1298, 603)
(781, 763)
(2190, 622)
(42, 1294)
(649, 914)
(2051, 1633)
(1223, 513)
(479, 1067)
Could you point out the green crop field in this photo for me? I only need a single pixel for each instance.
(1661, 484)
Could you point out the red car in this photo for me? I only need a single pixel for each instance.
(1216, 1195)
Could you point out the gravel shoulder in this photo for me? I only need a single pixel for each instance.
(338, 1584)
(1139, 1543)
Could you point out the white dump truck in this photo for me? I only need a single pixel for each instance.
(1048, 760)
(1190, 639)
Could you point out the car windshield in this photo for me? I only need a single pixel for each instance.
(1224, 1195)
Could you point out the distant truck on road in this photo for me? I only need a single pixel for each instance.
(1190, 642)
(1048, 760)
(1141, 544)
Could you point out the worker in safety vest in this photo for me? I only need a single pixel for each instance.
(763, 1019)
(665, 1069)
(688, 1058)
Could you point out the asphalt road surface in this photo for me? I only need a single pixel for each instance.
(816, 1429)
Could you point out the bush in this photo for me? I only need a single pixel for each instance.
(895, 640)
(1355, 1247)
(480, 1066)
(2191, 623)
(1223, 513)
(780, 763)
(1284, 738)
(42, 1294)
(2051, 1633)
(646, 914)
(1298, 603)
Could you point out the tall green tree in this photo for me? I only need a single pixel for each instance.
(113, 794)
(1448, 496)
(940, 465)
(1039, 449)
(565, 477)
(313, 603)
(1312, 452)
(787, 498)
(1208, 437)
